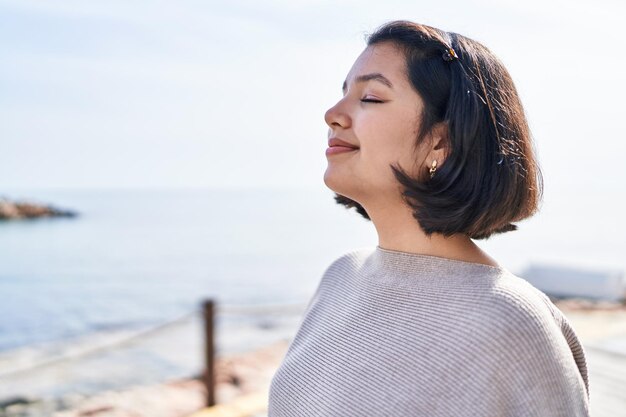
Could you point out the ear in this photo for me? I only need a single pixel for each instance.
(439, 144)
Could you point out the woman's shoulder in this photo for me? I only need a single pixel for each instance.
(530, 331)
(528, 320)
(513, 306)
(513, 295)
(349, 261)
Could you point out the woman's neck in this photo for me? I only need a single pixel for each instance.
(398, 230)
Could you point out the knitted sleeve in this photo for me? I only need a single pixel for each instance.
(539, 372)
(571, 337)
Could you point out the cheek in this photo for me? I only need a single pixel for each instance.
(387, 138)
(406, 138)
(397, 141)
(399, 151)
(376, 163)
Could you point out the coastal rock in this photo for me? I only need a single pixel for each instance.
(28, 210)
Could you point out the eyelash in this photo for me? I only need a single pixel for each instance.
(371, 101)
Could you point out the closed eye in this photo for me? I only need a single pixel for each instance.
(371, 100)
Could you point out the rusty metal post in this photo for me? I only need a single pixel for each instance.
(209, 374)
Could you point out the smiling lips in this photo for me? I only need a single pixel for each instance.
(336, 145)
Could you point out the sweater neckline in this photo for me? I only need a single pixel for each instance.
(403, 264)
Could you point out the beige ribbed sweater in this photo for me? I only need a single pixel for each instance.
(391, 333)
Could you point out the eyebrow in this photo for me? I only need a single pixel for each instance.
(375, 76)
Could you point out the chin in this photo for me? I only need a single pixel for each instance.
(332, 180)
(338, 183)
(329, 181)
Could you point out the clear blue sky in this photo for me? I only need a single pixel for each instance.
(193, 93)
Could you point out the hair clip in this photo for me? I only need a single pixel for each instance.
(449, 55)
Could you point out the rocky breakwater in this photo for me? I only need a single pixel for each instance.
(29, 210)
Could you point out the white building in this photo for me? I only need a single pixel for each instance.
(562, 281)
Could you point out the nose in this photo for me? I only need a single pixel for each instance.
(336, 116)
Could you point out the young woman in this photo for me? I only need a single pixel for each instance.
(430, 143)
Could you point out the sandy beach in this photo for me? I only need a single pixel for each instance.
(595, 322)
(236, 376)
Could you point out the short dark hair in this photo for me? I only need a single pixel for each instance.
(490, 176)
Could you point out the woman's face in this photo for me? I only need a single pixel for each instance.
(379, 113)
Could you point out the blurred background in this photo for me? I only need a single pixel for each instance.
(188, 137)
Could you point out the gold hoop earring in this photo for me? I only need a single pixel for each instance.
(433, 168)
